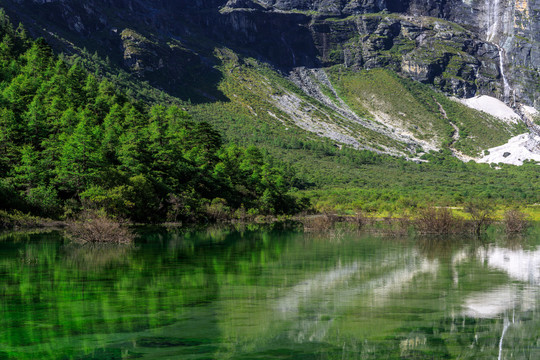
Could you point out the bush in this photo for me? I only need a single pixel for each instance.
(360, 219)
(218, 210)
(481, 213)
(320, 223)
(97, 227)
(515, 221)
(395, 226)
(17, 219)
(439, 221)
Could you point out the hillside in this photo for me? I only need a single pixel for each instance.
(70, 141)
(379, 96)
(191, 49)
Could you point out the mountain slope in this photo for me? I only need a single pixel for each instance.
(316, 51)
(333, 92)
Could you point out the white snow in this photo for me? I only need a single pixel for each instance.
(492, 106)
(529, 110)
(517, 149)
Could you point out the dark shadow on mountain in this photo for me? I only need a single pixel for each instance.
(169, 44)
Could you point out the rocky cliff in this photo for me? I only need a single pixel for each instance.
(336, 69)
(494, 49)
(464, 47)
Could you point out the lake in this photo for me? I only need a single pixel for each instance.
(255, 293)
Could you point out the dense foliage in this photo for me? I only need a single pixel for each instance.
(70, 140)
(337, 178)
(129, 147)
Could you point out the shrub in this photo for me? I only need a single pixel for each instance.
(218, 210)
(45, 199)
(395, 226)
(320, 223)
(439, 221)
(481, 213)
(96, 227)
(17, 219)
(515, 221)
(360, 219)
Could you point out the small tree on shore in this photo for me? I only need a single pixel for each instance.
(439, 221)
(515, 221)
(96, 227)
(481, 213)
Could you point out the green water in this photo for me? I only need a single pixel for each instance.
(274, 294)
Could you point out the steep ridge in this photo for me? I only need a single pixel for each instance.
(502, 38)
(482, 47)
(320, 50)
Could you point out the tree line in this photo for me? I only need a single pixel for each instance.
(70, 140)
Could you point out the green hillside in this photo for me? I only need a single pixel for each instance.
(70, 140)
(103, 138)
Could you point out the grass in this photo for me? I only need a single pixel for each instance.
(343, 179)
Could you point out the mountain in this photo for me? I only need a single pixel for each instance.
(334, 62)
(346, 91)
(483, 47)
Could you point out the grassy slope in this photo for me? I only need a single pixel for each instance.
(334, 178)
(416, 106)
(345, 179)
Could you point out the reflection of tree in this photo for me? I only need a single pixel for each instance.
(90, 292)
(96, 257)
(218, 290)
(439, 247)
(515, 241)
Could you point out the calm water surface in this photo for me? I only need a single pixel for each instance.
(217, 294)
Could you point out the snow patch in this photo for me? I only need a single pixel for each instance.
(492, 106)
(531, 117)
(515, 151)
(529, 110)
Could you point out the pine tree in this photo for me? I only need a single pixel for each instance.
(80, 163)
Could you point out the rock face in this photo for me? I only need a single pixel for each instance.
(464, 47)
(500, 52)
(427, 50)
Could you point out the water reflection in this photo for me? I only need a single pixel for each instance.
(96, 257)
(504, 299)
(519, 264)
(267, 294)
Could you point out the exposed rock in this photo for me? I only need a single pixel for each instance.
(518, 149)
(511, 25)
(485, 47)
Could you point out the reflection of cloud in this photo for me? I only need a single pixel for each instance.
(492, 303)
(397, 280)
(328, 292)
(381, 287)
(321, 282)
(520, 264)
